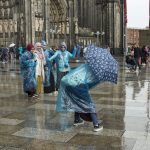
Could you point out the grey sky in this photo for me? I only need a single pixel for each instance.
(138, 13)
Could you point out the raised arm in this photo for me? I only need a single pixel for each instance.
(54, 56)
(73, 55)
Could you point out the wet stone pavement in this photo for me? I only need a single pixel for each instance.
(124, 109)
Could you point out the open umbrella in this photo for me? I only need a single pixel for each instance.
(103, 66)
(101, 62)
(11, 45)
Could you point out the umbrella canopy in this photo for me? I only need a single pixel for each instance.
(11, 45)
(101, 62)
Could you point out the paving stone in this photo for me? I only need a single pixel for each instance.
(124, 109)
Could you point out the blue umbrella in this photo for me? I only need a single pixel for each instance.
(101, 62)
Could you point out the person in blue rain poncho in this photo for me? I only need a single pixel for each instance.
(74, 96)
(20, 51)
(49, 83)
(78, 52)
(62, 57)
(5, 55)
(28, 64)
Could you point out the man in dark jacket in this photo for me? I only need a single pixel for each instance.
(137, 57)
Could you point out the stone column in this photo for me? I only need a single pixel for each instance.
(28, 21)
(32, 21)
(110, 27)
(46, 20)
(122, 26)
(71, 23)
(76, 25)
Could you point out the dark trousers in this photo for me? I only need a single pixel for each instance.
(137, 63)
(92, 115)
(60, 76)
(50, 88)
(31, 93)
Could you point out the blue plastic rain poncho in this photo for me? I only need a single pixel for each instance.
(62, 59)
(62, 62)
(20, 51)
(74, 91)
(28, 71)
(47, 67)
(78, 51)
(74, 88)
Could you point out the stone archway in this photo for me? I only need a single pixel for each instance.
(57, 20)
(29, 18)
(6, 17)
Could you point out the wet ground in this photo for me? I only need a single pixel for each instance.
(124, 109)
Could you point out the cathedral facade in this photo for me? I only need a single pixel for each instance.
(82, 21)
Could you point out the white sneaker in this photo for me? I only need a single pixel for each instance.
(56, 93)
(98, 127)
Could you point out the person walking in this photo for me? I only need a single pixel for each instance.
(137, 57)
(145, 54)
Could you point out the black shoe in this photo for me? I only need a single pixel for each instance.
(98, 127)
(77, 123)
(30, 96)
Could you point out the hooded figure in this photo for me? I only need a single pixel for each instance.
(39, 67)
(74, 96)
(62, 57)
(28, 65)
(49, 83)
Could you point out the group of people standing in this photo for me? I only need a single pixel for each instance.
(138, 56)
(73, 86)
(10, 53)
(37, 66)
(4, 55)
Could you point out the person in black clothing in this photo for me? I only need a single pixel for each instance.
(137, 57)
(145, 54)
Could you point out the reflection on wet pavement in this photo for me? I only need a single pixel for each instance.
(124, 109)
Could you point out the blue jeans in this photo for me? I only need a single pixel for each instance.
(93, 116)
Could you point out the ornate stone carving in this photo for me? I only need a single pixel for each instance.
(41, 24)
(38, 6)
(15, 26)
(6, 26)
(6, 16)
(67, 26)
(1, 28)
(36, 24)
(63, 28)
(11, 25)
(11, 13)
